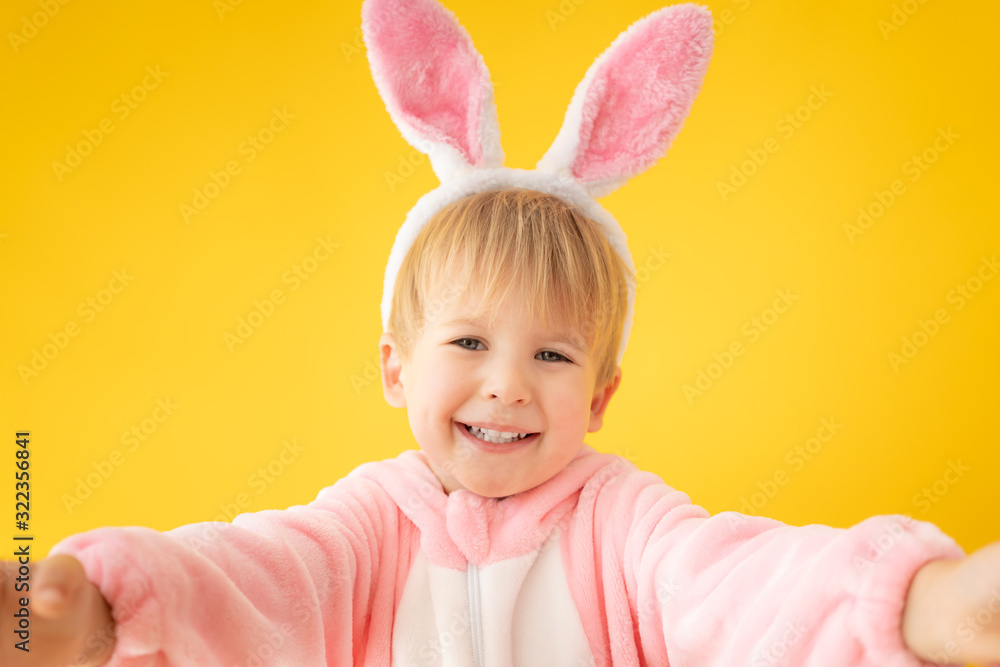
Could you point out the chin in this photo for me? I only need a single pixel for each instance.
(490, 488)
(487, 487)
(493, 490)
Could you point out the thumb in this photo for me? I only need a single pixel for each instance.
(59, 582)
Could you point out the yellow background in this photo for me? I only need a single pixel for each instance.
(308, 372)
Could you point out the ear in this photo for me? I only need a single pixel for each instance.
(601, 399)
(392, 372)
(434, 83)
(633, 100)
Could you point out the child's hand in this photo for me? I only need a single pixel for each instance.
(952, 612)
(70, 621)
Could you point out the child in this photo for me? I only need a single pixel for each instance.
(505, 539)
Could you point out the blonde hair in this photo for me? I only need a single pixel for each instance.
(516, 242)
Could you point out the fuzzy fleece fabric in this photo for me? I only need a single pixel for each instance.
(604, 564)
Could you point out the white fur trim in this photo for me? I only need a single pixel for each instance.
(566, 146)
(481, 180)
(489, 126)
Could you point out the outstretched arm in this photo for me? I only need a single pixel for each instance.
(736, 589)
(308, 585)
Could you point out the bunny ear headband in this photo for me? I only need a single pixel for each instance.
(623, 116)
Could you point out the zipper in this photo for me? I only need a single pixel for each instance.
(475, 614)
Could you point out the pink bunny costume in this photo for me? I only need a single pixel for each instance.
(602, 564)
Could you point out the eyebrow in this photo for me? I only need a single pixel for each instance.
(562, 338)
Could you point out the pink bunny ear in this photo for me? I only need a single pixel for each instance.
(633, 100)
(434, 83)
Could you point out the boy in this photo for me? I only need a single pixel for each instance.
(482, 549)
(505, 539)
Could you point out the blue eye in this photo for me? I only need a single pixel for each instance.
(461, 340)
(558, 357)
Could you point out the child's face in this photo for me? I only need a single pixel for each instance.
(515, 375)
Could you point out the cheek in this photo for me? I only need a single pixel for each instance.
(442, 387)
(568, 405)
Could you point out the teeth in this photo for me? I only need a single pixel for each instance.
(496, 437)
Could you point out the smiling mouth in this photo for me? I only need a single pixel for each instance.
(486, 437)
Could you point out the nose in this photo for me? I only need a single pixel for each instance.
(506, 382)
